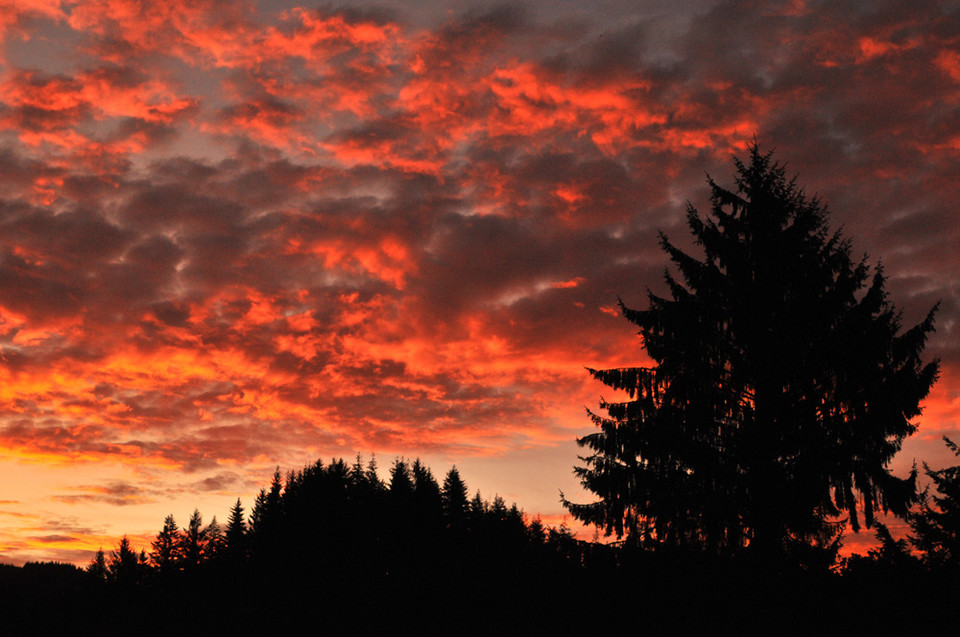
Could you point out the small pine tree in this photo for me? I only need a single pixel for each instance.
(498, 509)
(478, 507)
(536, 531)
(98, 567)
(215, 540)
(124, 567)
(936, 523)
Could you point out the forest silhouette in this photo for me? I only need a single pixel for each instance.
(334, 546)
(783, 385)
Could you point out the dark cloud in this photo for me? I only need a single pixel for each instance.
(51, 539)
(223, 481)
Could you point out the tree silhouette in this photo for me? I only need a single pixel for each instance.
(235, 537)
(782, 385)
(401, 482)
(214, 540)
(97, 568)
(124, 567)
(454, 499)
(193, 542)
(167, 553)
(936, 525)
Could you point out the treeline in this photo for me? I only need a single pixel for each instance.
(343, 520)
(335, 547)
(335, 542)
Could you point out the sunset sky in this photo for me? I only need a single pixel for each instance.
(237, 234)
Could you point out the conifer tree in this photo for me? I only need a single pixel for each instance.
(536, 531)
(478, 507)
(214, 540)
(781, 385)
(401, 482)
(98, 567)
(193, 541)
(426, 491)
(166, 555)
(936, 524)
(358, 475)
(498, 509)
(124, 568)
(259, 513)
(235, 538)
(454, 498)
(372, 476)
(274, 510)
(267, 516)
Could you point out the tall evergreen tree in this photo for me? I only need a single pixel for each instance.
(235, 538)
(266, 517)
(259, 513)
(372, 476)
(401, 482)
(167, 554)
(358, 474)
(781, 388)
(454, 498)
(193, 541)
(425, 488)
(274, 502)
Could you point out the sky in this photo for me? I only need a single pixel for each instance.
(242, 235)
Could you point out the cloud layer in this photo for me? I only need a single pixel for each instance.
(232, 238)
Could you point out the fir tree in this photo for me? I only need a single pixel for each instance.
(166, 555)
(478, 507)
(98, 567)
(124, 567)
(258, 514)
(781, 388)
(274, 502)
(193, 542)
(215, 541)
(426, 491)
(235, 538)
(454, 498)
(936, 524)
(401, 482)
(372, 476)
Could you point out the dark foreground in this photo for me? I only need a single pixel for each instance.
(481, 596)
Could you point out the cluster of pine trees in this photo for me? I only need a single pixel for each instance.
(346, 520)
(336, 538)
(335, 544)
